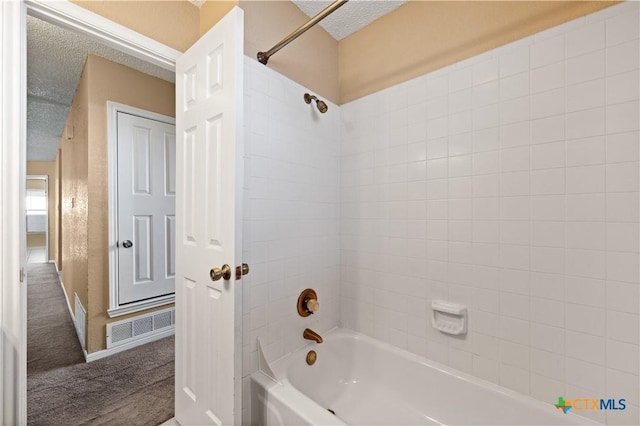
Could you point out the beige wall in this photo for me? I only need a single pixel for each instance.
(85, 221)
(47, 168)
(110, 82)
(174, 23)
(422, 36)
(74, 197)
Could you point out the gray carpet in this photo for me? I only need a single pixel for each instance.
(135, 387)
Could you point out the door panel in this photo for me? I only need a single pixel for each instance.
(146, 206)
(209, 96)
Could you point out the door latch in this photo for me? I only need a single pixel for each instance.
(241, 270)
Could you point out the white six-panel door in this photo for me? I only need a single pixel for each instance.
(146, 208)
(209, 79)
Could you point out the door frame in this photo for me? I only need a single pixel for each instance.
(115, 308)
(45, 178)
(13, 389)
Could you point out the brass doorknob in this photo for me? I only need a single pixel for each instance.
(217, 273)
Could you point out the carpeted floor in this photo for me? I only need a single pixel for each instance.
(135, 387)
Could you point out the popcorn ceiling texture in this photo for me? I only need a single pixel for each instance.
(55, 57)
(351, 17)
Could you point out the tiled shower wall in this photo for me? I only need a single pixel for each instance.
(291, 215)
(507, 183)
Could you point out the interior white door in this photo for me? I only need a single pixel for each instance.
(209, 95)
(13, 284)
(146, 208)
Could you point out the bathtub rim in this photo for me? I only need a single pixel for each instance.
(279, 368)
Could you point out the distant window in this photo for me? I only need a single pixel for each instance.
(36, 200)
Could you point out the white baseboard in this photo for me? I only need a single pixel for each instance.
(93, 356)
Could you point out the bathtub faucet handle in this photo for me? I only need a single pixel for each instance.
(312, 305)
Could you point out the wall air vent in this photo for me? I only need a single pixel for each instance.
(140, 327)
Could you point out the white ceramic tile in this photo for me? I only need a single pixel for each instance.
(548, 77)
(547, 260)
(548, 103)
(548, 51)
(486, 94)
(622, 117)
(622, 207)
(548, 181)
(486, 162)
(459, 166)
(487, 185)
(486, 117)
(623, 297)
(621, 28)
(622, 267)
(547, 364)
(547, 338)
(548, 234)
(514, 110)
(586, 235)
(437, 148)
(586, 207)
(587, 39)
(461, 78)
(585, 347)
(622, 177)
(586, 67)
(547, 286)
(623, 327)
(548, 155)
(586, 151)
(515, 330)
(587, 95)
(586, 263)
(460, 144)
(586, 123)
(585, 319)
(545, 388)
(622, 356)
(548, 312)
(437, 106)
(461, 187)
(514, 378)
(622, 87)
(514, 62)
(552, 207)
(586, 291)
(513, 135)
(514, 183)
(515, 159)
(622, 57)
(515, 257)
(486, 139)
(514, 86)
(515, 232)
(548, 129)
(586, 179)
(515, 281)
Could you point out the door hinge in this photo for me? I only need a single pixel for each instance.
(21, 275)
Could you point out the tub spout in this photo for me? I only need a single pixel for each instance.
(311, 335)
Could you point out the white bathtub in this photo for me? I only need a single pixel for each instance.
(367, 382)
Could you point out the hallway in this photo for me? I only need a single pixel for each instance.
(132, 387)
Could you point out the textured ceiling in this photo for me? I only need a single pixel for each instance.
(351, 17)
(55, 58)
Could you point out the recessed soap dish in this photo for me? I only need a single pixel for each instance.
(448, 317)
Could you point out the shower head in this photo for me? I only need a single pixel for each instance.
(322, 106)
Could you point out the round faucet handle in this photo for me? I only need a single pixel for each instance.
(312, 305)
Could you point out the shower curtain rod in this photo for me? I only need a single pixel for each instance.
(263, 57)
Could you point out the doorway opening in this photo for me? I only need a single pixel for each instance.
(37, 218)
